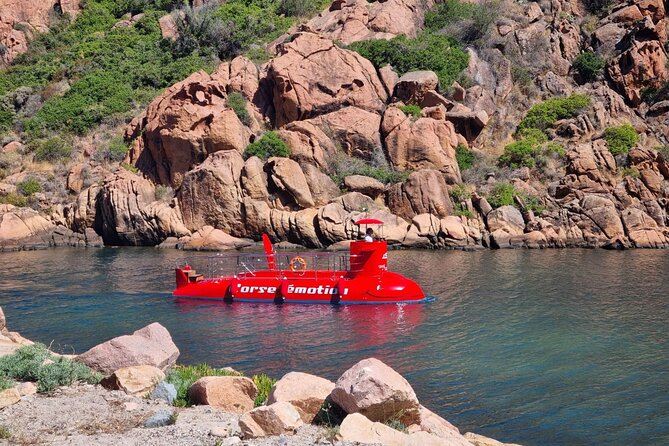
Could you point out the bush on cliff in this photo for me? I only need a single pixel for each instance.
(589, 65)
(621, 139)
(464, 157)
(342, 165)
(542, 116)
(439, 53)
(52, 149)
(269, 145)
(237, 102)
(29, 363)
(109, 71)
(29, 187)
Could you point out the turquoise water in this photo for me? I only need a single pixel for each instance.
(565, 347)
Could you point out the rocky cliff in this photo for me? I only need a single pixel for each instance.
(594, 175)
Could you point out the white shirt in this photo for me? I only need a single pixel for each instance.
(368, 238)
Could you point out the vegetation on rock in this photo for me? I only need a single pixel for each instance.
(36, 363)
(264, 384)
(342, 165)
(411, 110)
(29, 187)
(269, 145)
(439, 53)
(542, 116)
(237, 102)
(589, 65)
(621, 139)
(464, 157)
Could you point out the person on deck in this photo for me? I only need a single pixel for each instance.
(369, 235)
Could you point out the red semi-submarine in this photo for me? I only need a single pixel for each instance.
(358, 277)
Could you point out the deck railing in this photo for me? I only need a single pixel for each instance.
(318, 264)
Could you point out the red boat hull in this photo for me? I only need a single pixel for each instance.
(366, 282)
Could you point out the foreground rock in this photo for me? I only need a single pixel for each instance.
(234, 394)
(274, 419)
(359, 429)
(304, 391)
(378, 392)
(151, 345)
(136, 380)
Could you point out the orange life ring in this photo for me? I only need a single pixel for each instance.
(297, 263)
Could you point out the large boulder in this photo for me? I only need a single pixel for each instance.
(21, 20)
(504, 223)
(354, 20)
(602, 212)
(355, 130)
(129, 214)
(212, 239)
(643, 231)
(642, 65)
(287, 176)
(360, 430)
(151, 345)
(365, 185)
(304, 391)
(8, 397)
(414, 85)
(312, 76)
(229, 393)
(424, 191)
(211, 194)
(23, 227)
(274, 419)
(308, 142)
(424, 143)
(376, 391)
(134, 380)
(282, 225)
(183, 126)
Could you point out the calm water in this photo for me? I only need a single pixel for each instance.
(537, 347)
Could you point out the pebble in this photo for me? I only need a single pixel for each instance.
(161, 418)
(164, 391)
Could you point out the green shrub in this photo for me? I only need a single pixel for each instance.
(460, 193)
(299, 8)
(447, 13)
(182, 377)
(663, 151)
(264, 384)
(411, 110)
(269, 145)
(237, 102)
(342, 165)
(5, 433)
(589, 65)
(621, 139)
(116, 150)
(6, 119)
(630, 172)
(28, 364)
(29, 186)
(542, 116)
(439, 53)
(5, 381)
(130, 168)
(63, 372)
(464, 157)
(53, 149)
(14, 199)
(502, 195)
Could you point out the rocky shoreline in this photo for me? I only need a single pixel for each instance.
(135, 404)
(190, 182)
